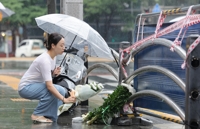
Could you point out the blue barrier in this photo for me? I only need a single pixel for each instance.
(162, 56)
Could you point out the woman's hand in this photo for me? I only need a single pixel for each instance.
(72, 93)
(71, 98)
(56, 71)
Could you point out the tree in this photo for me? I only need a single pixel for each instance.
(105, 11)
(25, 13)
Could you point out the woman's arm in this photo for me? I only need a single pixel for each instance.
(55, 92)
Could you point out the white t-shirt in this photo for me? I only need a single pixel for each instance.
(39, 71)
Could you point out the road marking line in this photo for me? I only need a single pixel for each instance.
(10, 81)
(19, 99)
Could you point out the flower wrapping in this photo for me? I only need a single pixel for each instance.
(82, 93)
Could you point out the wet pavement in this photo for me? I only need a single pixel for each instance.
(15, 111)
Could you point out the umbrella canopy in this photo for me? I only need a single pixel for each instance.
(5, 11)
(79, 31)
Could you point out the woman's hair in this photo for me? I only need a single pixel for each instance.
(53, 38)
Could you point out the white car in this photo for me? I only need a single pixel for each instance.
(30, 48)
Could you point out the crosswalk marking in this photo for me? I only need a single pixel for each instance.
(10, 81)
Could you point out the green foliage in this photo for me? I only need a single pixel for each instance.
(104, 11)
(92, 9)
(25, 11)
(95, 8)
(112, 105)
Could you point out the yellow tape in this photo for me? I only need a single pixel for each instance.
(164, 116)
(173, 11)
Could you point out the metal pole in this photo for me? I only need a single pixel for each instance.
(122, 76)
(61, 6)
(120, 68)
(192, 105)
(51, 6)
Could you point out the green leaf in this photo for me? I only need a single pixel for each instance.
(111, 105)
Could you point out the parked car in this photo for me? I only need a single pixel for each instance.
(30, 48)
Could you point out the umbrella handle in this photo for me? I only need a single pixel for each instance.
(63, 59)
(69, 48)
(72, 42)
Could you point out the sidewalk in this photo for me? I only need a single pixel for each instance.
(16, 111)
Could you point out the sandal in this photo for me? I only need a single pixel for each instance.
(42, 119)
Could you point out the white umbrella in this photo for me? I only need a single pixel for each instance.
(75, 30)
(5, 11)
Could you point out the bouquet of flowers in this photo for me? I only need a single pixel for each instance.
(82, 93)
(112, 105)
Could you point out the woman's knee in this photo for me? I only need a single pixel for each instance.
(60, 89)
